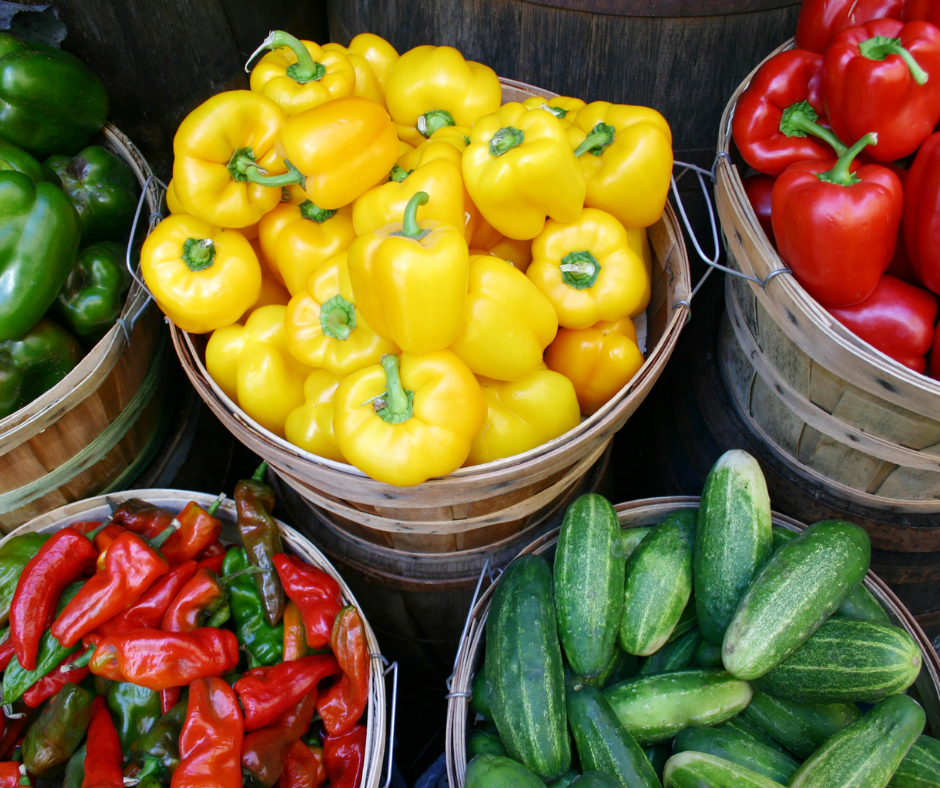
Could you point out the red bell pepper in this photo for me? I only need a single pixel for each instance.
(935, 355)
(264, 751)
(197, 530)
(303, 768)
(774, 122)
(295, 634)
(343, 757)
(927, 10)
(267, 692)
(202, 602)
(13, 774)
(211, 739)
(343, 704)
(922, 214)
(884, 77)
(316, 594)
(104, 761)
(759, 189)
(837, 229)
(51, 683)
(820, 20)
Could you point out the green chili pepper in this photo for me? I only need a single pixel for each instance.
(75, 769)
(14, 556)
(134, 709)
(157, 752)
(55, 735)
(263, 642)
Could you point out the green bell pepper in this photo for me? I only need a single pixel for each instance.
(55, 735)
(157, 752)
(14, 556)
(134, 709)
(32, 364)
(93, 295)
(39, 234)
(75, 769)
(264, 643)
(50, 102)
(102, 188)
(13, 157)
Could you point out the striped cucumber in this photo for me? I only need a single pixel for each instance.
(866, 753)
(656, 708)
(589, 571)
(698, 770)
(621, 667)
(799, 587)
(565, 780)
(676, 655)
(657, 755)
(658, 585)
(595, 779)
(746, 728)
(733, 539)
(920, 767)
(846, 661)
(686, 621)
(631, 538)
(783, 536)
(739, 748)
(708, 655)
(524, 669)
(498, 771)
(480, 741)
(800, 727)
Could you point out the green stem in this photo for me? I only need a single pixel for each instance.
(81, 662)
(310, 210)
(95, 531)
(198, 254)
(840, 174)
(409, 222)
(579, 270)
(431, 121)
(558, 112)
(214, 506)
(398, 174)
(306, 69)
(337, 318)
(879, 47)
(799, 119)
(505, 140)
(251, 570)
(160, 539)
(600, 137)
(151, 767)
(256, 174)
(260, 471)
(396, 405)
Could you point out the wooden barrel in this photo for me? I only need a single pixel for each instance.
(926, 688)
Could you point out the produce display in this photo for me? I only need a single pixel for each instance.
(840, 132)
(142, 650)
(398, 272)
(709, 651)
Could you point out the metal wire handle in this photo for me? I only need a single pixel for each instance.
(393, 669)
(484, 571)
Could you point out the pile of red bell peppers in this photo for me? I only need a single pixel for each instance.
(176, 659)
(842, 134)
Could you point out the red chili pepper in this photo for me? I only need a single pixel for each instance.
(131, 568)
(212, 738)
(6, 653)
(922, 214)
(158, 660)
(820, 20)
(779, 109)
(51, 683)
(884, 77)
(104, 761)
(295, 634)
(59, 561)
(759, 189)
(143, 518)
(343, 757)
(303, 768)
(213, 563)
(316, 594)
(928, 10)
(267, 692)
(104, 540)
(11, 772)
(202, 602)
(197, 530)
(342, 705)
(837, 229)
(264, 751)
(214, 549)
(169, 698)
(14, 729)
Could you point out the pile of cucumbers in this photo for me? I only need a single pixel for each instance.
(713, 650)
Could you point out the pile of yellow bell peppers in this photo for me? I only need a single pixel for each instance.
(397, 270)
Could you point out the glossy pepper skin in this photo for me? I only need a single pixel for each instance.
(15, 554)
(266, 693)
(884, 77)
(264, 751)
(820, 20)
(343, 703)
(263, 642)
(310, 426)
(104, 761)
(295, 634)
(367, 83)
(303, 767)
(343, 757)
(134, 711)
(49, 101)
(41, 232)
(315, 593)
(75, 769)
(202, 602)
(57, 732)
(52, 682)
(837, 235)
(13, 157)
(197, 530)
(142, 517)
(519, 167)
(922, 214)
(211, 739)
(11, 775)
(101, 187)
(158, 748)
(405, 421)
(375, 50)
(919, 9)
(565, 108)
(759, 190)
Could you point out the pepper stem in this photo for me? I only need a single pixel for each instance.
(95, 531)
(398, 174)
(396, 406)
(505, 140)
(151, 768)
(337, 318)
(198, 254)
(214, 506)
(409, 222)
(251, 570)
(431, 121)
(310, 210)
(579, 270)
(306, 69)
(558, 112)
(840, 174)
(260, 471)
(259, 175)
(81, 662)
(799, 119)
(160, 539)
(879, 47)
(600, 137)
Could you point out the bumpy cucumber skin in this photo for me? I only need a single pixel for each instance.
(863, 660)
(595, 779)
(480, 742)
(783, 536)
(655, 708)
(498, 771)
(602, 742)
(733, 539)
(658, 585)
(800, 727)
(524, 669)
(589, 572)
(799, 587)
(920, 767)
(698, 770)
(739, 748)
(675, 655)
(866, 753)
(480, 694)
(740, 725)
(708, 655)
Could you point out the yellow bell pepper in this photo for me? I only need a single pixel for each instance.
(296, 239)
(507, 323)
(564, 108)
(324, 328)
(372, 57)
(524, 414)
(310, 427)
(272, 292)
(300, 75)
(519, 167)
(215, 147)
(430, 87)
(486, 240)
(173, 204)
(410, 281)
(458, 136)
(626, 155)
(599, 361)
(403, 422)
(202, 277)
(588, 270)
(640, 243)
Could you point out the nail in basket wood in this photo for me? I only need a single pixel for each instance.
(98, 509)
(926, 688)
(841, 412)
(96, 428)
(494, 500)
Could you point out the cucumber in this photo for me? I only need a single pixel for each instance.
(846, 661)
(480, 741)
(603, 744)
(698, 770)
(631, 538)
(920, 767)
(657, 755)
(800, 727)
(589, 572)
(623, 666)
(595, 779)
(686, 621)
(565, 780)
(658, 585)
(524, 669)
(783, 536)
(728, 743)
(746, 728)
(655, 708)
(480, 694)
(733, 539)
(676, 655)
(498, 771)
(800, 586)
(708, 655)
(866, 753)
